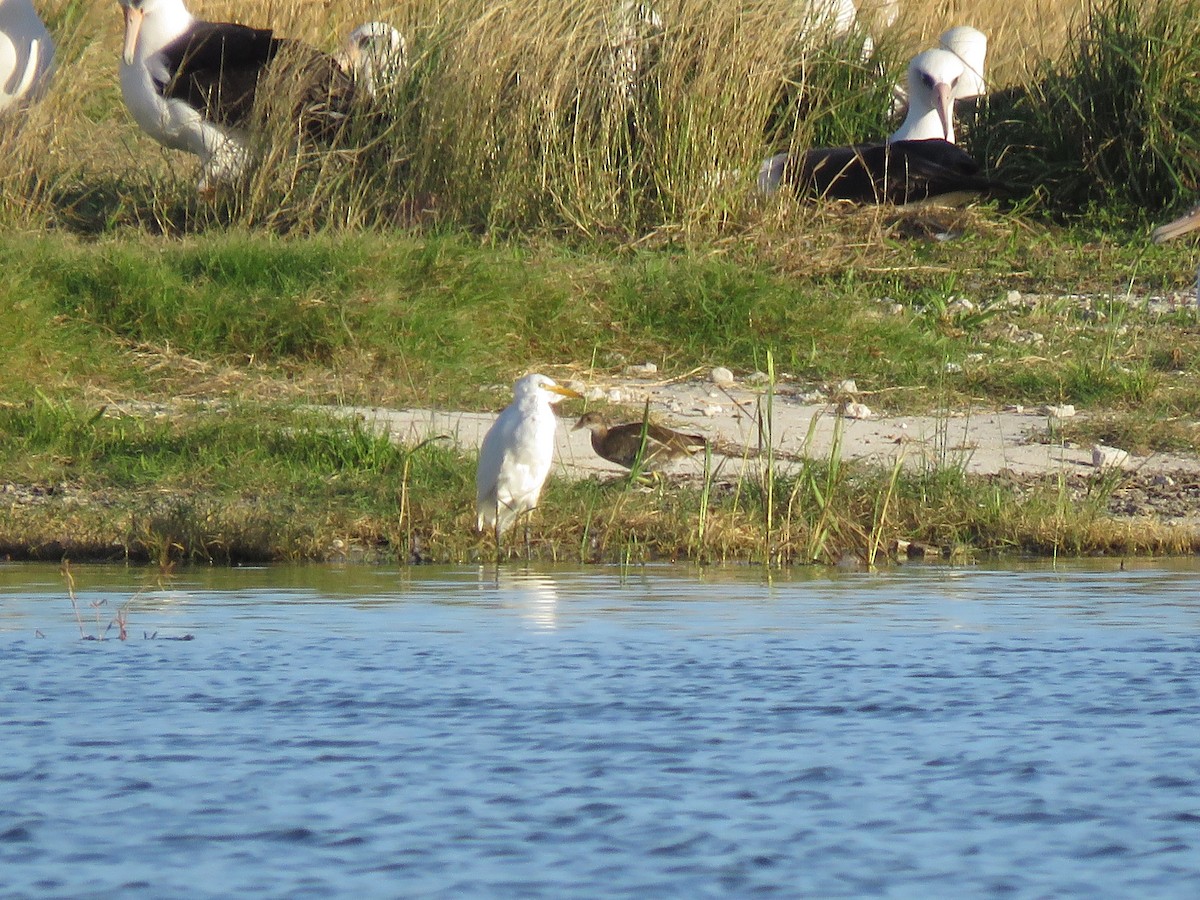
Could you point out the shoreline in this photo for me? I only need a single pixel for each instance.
(1150, 505)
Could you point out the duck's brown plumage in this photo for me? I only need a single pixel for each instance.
(620, 443)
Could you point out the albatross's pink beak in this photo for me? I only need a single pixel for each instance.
(1189, 221)
(943, 95)
(133, 25)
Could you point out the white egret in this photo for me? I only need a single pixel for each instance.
(515, 457)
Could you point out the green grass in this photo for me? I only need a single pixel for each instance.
(428, 320)
(1112, 125)
(251, 484)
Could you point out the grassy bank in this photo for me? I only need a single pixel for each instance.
(247, 485)
(524, 211)
(155, 401)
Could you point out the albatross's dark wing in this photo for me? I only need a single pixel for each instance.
(216, 67)
(898, 172)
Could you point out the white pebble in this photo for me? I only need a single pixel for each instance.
(594, 394)
(846, 387)
(614, 396)
(1061, 411)
(721, 375)
(856, 410)
(1109, 457)
(647, 368)
(711, 411)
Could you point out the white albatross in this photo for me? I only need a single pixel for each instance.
(970, 45)
(26, 55)
(516, 454)
(192, 85)
(933, 80)
(376, 56)
(917, 161)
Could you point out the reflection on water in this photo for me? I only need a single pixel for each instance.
(597, 732)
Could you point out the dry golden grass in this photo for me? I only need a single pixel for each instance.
(512, 115)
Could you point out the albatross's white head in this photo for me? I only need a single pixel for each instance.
(933, 78)
(376, 54)
(970, 45)
(150, 25)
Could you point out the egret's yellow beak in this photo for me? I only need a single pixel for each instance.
(133, 25)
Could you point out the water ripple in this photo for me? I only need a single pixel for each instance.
(457, 733)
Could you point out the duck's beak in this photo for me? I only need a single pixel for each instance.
(1189, 221)
(133, 25)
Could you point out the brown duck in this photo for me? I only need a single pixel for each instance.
(621, 443)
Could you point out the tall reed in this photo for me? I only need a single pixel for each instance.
(565, 116)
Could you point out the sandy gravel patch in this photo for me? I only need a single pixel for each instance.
(984, 442)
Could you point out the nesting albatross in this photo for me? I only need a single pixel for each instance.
(192, 85)
(917, 162)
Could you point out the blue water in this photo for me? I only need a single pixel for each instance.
(925, 732)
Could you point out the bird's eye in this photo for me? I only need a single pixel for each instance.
(927, 78)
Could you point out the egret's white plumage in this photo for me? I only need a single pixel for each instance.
(933, 77)
(26, 54)
(516, 454)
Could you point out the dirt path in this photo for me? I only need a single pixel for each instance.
(983, 442)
